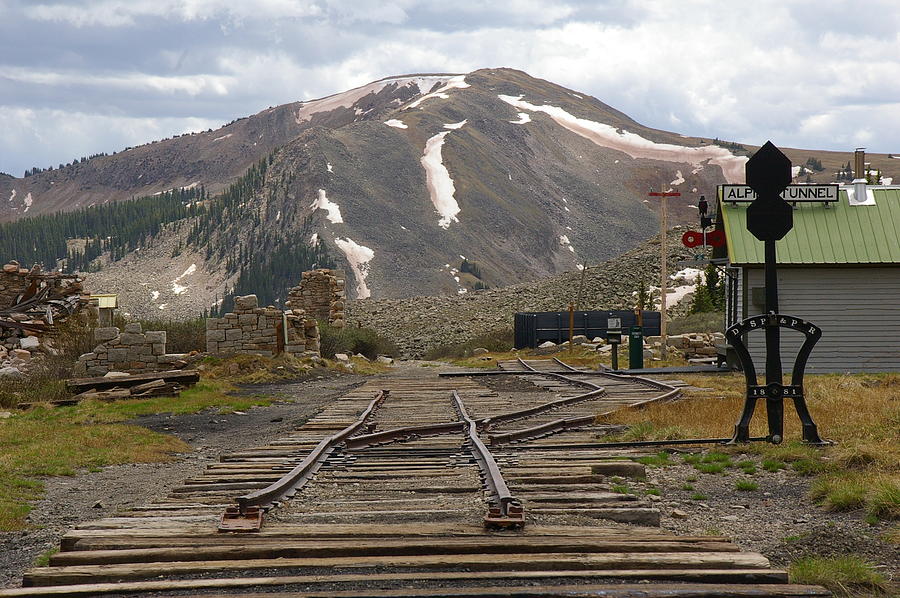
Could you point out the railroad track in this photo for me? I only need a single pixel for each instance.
(415, 492)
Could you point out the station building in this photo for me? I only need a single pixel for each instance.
(838, 268)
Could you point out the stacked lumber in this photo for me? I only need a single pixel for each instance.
(130, 386)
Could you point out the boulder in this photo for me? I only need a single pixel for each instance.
(579, 339)
(10, 372)
(479, 351)
(20, 354)
(246, 302)
(105, 334)
(29, 342)
(384, 359)
(546, 348)
(342, 357)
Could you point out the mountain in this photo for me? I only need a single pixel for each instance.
(417, 184)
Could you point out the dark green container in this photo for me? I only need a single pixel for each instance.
(635, 348)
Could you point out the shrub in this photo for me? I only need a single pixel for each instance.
(497, 341)
(884, 499)
(713, 321)
(351, 340)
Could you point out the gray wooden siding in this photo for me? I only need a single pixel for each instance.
(857, 308)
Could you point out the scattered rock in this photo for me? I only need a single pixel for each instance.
(384, 359)
(5, 414)
(116, 375)
(730, 518)
(679, 514)
(97, 505)
(20, 354)
(479, 351)
(29, 342)
(10, 372)
(342, 357)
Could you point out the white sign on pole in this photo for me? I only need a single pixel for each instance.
(793, 193)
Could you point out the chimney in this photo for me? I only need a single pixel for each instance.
(859, 163)
(857, 195)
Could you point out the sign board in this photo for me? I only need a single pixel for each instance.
(792, 194)
(613, 323)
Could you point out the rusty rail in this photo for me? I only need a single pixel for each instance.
(247, 515)
(629, 377)
(505, 510)
(557, 425)
(405, 433)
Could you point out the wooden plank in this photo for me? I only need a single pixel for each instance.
(184, 377)
(248, 548)
(775, 581)
(42, 576)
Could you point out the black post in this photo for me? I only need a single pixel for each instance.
(774, 402)
(615, 358)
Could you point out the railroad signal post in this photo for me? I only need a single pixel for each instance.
(769, 219)
(663, 275)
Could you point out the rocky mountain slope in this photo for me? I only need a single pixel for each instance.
(419, 184)
(417, 324)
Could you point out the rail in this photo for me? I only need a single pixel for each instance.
(247, 515)
(505, 510)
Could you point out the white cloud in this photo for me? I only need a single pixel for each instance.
(799, 72)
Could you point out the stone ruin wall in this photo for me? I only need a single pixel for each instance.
(132, 351)
(251, 329)
(321, 295)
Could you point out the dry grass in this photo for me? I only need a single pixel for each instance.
(861, 413)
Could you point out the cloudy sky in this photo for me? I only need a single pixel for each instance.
(80, 77)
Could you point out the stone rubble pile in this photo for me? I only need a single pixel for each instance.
(32, 304)
(320, 294)
(133, 351)
(266, 331)
(697, 345)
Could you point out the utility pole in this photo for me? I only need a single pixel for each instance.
(663, 270)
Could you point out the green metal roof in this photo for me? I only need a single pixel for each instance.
(837, 234)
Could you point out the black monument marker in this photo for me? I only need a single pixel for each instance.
(770, 218)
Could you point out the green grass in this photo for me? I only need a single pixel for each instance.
(653, 491)
(746, 485)
(773, 465)
(698, 496)
(43, 559)
(620, 489)
(748, 467)
(845, 576)
(60, 441)
(660, 459)
(710, 467)
(687, 487)
(809, 467)
(883, 500)
(839, 493)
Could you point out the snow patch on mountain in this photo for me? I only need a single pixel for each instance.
(358, 256)
(28, 201)
(523, 118)
(178, 288)
(564, 241)
(313, 239)
(223, 137)
(12, 195)
(457, 82)
(440, 185)
(636, 146)
(323, 203)
(154, 295)
(399, 124)
(678, 179)
(455, 125)
(348, 98)
(328, 167)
